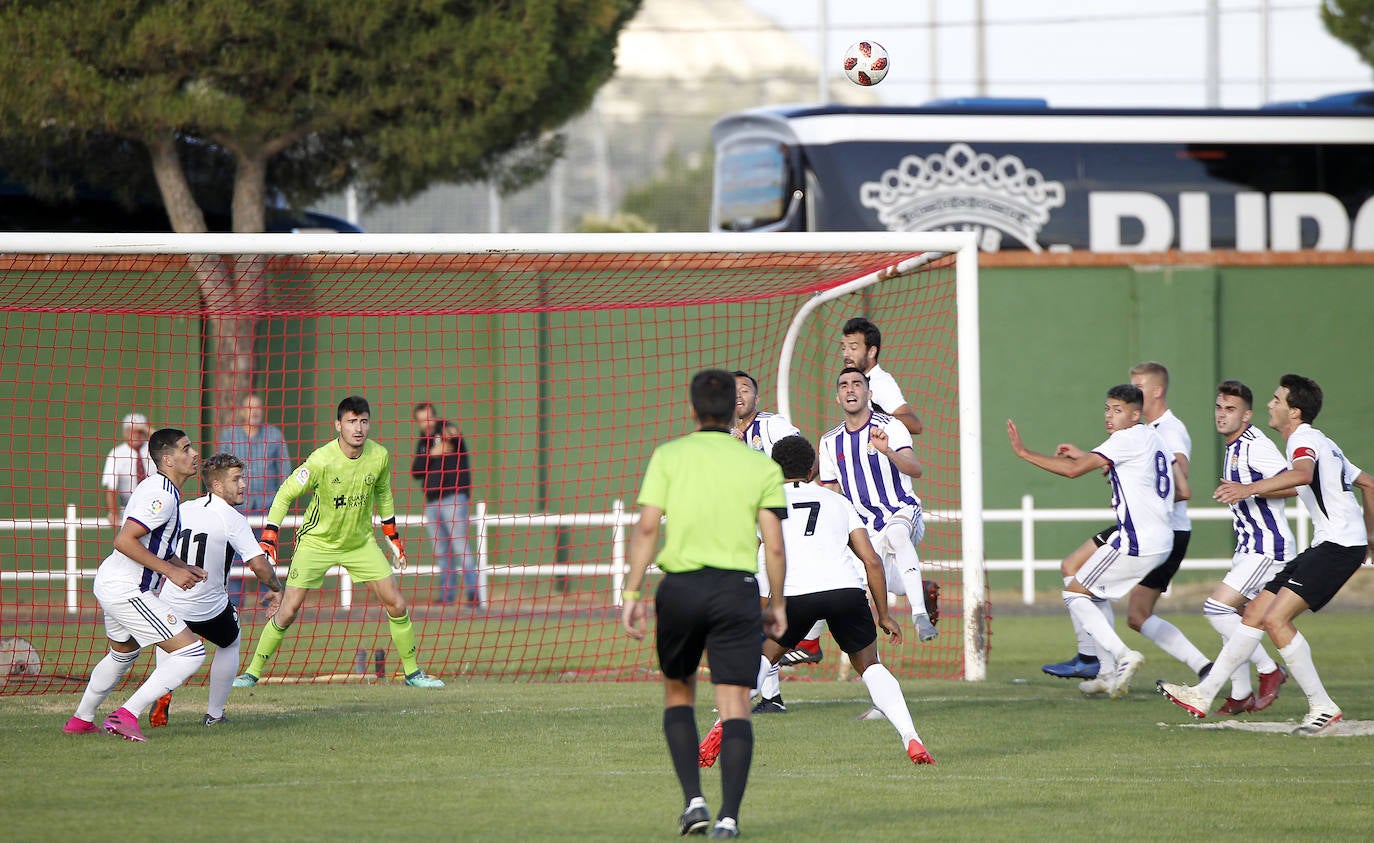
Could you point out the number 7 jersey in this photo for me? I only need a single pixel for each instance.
(212, 534)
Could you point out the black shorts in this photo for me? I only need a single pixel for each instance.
(221, 630)
(1318, 572)
(712, 611)
(844, 610)
(1163, 574)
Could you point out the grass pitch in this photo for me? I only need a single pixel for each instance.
(1021, 756)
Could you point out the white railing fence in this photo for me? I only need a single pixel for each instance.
(618, 520)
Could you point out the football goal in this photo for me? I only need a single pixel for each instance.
(560, 361)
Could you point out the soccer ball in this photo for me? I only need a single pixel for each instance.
(865, 63)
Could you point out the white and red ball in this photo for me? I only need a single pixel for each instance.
(865, 63)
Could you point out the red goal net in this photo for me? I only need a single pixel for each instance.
(561, 368)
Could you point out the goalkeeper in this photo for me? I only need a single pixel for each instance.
(349, 477)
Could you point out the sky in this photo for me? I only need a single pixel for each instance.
(1086, 52)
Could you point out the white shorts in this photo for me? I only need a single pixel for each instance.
(1109, 573)
(907, 523)
(140, 615)
(1251, 572)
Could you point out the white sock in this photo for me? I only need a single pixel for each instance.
(223, 668)
(1235, 653)
(1298, 656)
(1085, 641)
(886, 694)
(173, 669)
(104, 678)
(1172, 641)
(1082, 608)
(769, 685)
(909, 567)
(816, 631)
(1225, 619)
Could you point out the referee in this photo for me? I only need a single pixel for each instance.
(718, 498)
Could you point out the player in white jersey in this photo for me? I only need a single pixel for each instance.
(1263, 542)
(126, 586)
(1139, 470)
(821, 584)
(868, 458)
(860, 345)
(213, 532)
(1341, 539)
(756, 428)
(1153, 380)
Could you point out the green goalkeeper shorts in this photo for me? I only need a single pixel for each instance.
(364, 563)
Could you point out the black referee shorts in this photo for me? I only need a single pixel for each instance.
(845, 612)
(1319, 572)
(221, 630)
(713, 611)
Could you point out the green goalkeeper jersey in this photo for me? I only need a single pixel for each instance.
(339, 516)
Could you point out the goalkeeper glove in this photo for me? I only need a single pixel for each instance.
(268, 542)
(398, 547)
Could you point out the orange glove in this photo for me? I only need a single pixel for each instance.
(268, 542)
(397, 546)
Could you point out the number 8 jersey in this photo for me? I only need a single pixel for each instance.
(212, 533)
(1142, 481)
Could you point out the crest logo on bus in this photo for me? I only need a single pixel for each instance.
(960, 190)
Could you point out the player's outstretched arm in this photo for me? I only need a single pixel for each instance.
(877, 581)
(176, 572)
(1068, 461)
(1300, 474)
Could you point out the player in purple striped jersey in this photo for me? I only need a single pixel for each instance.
(861, 343)
(126, 585)
(868, 458)
(1263, 542)
(1140, 472)
(1341, 533)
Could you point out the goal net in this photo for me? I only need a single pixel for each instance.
(562, 360)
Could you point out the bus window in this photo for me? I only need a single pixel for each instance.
(752, 189)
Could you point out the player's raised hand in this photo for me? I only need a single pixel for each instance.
(878, 437)
(1070, 451)
(1017, 446)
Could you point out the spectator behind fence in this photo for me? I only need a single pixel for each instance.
(262, 447)
(126, 465)
(442, 466)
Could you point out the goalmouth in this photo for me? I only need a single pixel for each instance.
(564, 359)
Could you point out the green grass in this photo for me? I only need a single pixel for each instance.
(1020, 756)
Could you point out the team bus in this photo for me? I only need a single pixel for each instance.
(1023, 175)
